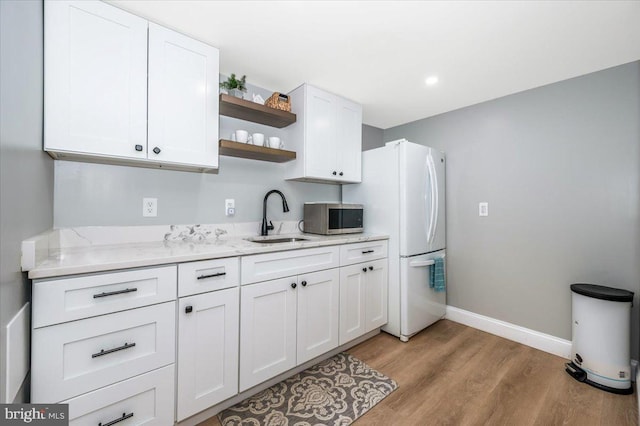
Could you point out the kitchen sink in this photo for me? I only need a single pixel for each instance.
(263, 240)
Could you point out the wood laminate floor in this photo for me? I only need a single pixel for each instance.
(451, 374)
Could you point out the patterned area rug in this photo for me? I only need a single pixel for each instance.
(334, 392)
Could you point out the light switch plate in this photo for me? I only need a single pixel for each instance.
(229, 207)
(483, 209)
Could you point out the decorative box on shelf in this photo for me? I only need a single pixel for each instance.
(279, 101)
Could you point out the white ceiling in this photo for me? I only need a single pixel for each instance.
(379, 53)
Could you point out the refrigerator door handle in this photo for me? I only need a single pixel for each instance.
(421, 263)
(433, 180)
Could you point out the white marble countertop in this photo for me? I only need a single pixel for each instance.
(93, 257)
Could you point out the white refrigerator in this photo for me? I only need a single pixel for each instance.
(402, 191)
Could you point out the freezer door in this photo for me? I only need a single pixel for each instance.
(417, 204)
(420, 305)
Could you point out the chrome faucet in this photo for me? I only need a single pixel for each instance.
(264, 230)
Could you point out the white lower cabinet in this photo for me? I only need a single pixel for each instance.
(287, 322)
(317, 321)
(147, 399)
(363, 298)
(110, 351)
(207, 350)
(267, 330)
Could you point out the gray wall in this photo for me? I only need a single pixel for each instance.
(26, 172)
(95, 194)
(372, 137)
(560, 168)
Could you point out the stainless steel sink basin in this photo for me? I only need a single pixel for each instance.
(276, 240)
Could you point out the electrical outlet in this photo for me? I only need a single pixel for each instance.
(149, 207)
(483, 209)
(229, 207)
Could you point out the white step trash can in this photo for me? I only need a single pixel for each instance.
(600, 351)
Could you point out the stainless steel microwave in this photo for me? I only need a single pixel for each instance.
(332, 218)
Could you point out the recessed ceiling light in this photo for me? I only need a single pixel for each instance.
(431, 80)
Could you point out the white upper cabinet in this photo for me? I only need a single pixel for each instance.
(327, 137)
(95, 79)
(183, 99)
(99, 61)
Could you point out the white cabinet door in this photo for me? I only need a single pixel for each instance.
(318, 304)
(376, 294)
(327, 137)
(207, 350)
(349, 141)
(183, 99)
(352, 302)
(267, 330)
(95, 79)
(320, 145)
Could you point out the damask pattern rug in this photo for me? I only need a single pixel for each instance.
(334, 392)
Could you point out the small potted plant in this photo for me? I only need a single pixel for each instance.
(235, 87)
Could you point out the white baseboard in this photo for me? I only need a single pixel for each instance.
(535, 339)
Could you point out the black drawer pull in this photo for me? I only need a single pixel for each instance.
(371, 268)
(364, 269)
(113, 293)
(219, 274)
(368, 251)
(110, 351)
(125, 416)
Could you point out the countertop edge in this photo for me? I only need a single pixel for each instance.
(46, 272)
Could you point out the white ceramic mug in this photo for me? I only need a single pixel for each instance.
(242, 136)
(274, 142)
(258, 139)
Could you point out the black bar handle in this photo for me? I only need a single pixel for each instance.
(125, 416)
(368, 251)
(113, 293)
(110, 351)
(219, 274)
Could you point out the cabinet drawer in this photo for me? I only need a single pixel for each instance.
(69, 299)
(362, 252)
(147, 399)
(208, 275)
(80, 356)
(269, 266)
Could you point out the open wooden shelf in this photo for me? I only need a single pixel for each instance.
(253, 152)
(251, 111)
